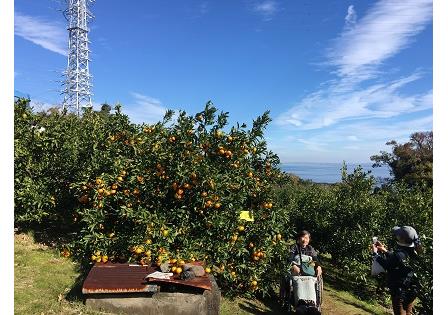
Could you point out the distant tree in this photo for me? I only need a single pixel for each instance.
(105, 108)
(411, 161)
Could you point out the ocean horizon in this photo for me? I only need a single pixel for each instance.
(330, 172)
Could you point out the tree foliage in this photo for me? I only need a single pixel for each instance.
(410, 161)
(344, 217)
(171, 191)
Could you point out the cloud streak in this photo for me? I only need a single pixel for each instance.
(350, 18)
(267, 9)
(353, 142)
(356, 55)
(145, 109)
(46, 34)
(387, 28)
(327, 107)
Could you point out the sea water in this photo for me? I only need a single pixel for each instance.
(330, 172)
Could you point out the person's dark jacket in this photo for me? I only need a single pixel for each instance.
(399, 272)
(307, 250)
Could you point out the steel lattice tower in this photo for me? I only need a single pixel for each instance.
(77, 83)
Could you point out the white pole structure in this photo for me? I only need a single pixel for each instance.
(77, 84)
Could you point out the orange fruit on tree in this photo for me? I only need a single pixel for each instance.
(208, 203)
(178, 270)
(138, 250)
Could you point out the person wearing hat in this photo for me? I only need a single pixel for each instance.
(401, 279)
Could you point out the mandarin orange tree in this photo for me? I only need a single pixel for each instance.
(174, 191)
(51, 151)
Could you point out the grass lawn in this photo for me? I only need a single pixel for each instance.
(46, 283)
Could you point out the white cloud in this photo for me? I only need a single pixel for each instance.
(47, 34)
(357, 54)
(41, 106)
(267, 9)
(373, 132)
(339, 141)
(350, 18)
(387, 28)
(328, 107)
(312, 145)
(145, 109)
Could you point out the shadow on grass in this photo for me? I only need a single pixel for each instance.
(344, 281)
(75, 293)
(262, 305)
(50, 233)
(252, 308)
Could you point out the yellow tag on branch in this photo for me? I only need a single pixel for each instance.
(247, 216)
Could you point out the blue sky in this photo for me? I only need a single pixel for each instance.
(340, 78)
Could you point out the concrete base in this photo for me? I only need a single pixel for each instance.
(161, 303)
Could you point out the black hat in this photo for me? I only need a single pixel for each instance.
(406, 233)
